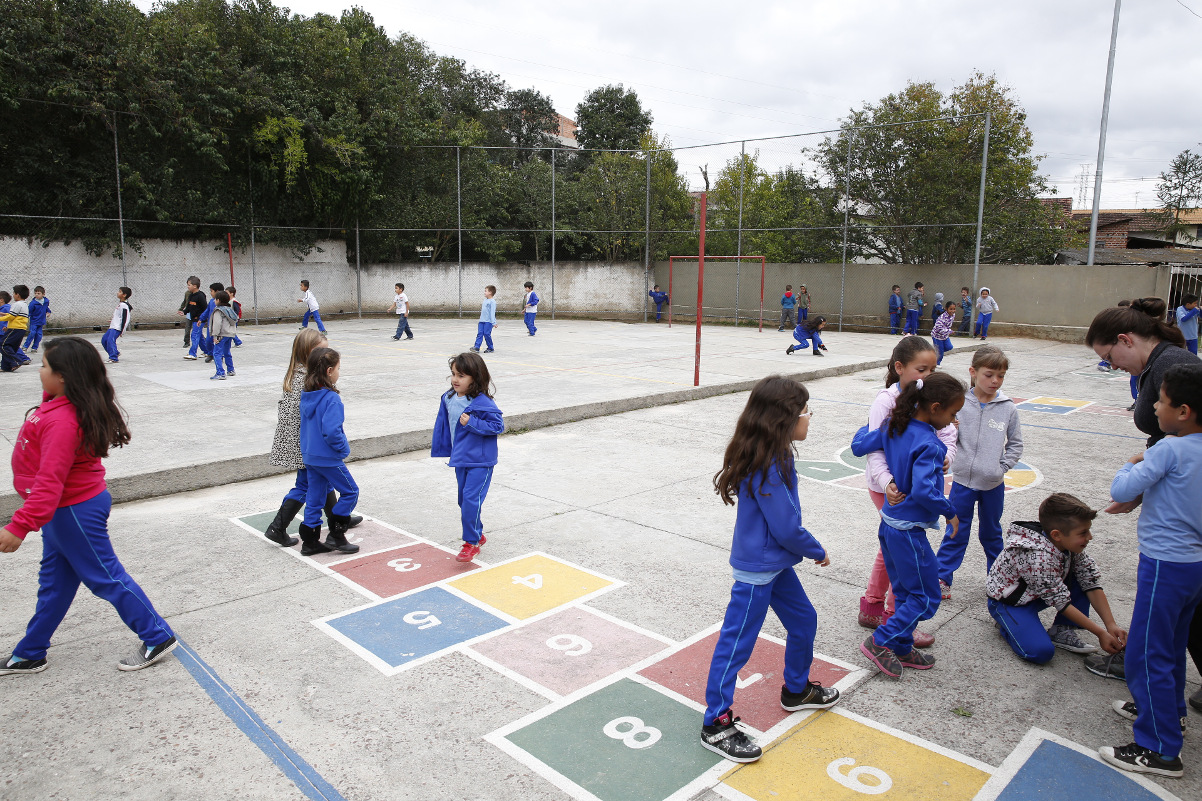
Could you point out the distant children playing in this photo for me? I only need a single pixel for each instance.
(896, 307)
(400, 304)
(1044, 566)
(788, 302)
(941, 332)
(17, 319)
(988, 445)
(324, 448)
(202, 331)
(1169, 579)
(488, 320)
(237, 307)
(193, 308)
(466, 430)
(759, 479)
(914, 304)
(806, 331)
(117, 326)
(312, 308)
(225, 330)
(530, 307)
(915, 457)
(659, 299)
(986, 306)
(39, 309)
(1187, 321)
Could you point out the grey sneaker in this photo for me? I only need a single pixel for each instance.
(1066, 637)
(724, 738)
(147, 655)
(13, 666)
(882, 657)
(1108, 666)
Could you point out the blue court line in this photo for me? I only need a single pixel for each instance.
(294, 767)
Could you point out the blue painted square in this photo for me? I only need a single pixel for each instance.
(1044, 407)
(416, 625)
(1056, 772)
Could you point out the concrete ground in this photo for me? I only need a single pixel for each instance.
(265, 704)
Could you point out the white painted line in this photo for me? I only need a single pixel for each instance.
(731, 794)
(915, 740)
(540, 768)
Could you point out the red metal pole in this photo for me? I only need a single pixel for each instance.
(229, 242)
(671, 261)
(700, 293)
(762, 269)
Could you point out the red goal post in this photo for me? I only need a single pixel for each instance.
(701, 282)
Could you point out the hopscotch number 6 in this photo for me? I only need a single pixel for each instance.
(630, 737)
(570, 644)
(422, 619)
(851, 779)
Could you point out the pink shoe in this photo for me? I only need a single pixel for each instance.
(872, 614)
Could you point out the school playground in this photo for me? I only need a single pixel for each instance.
(568, 661)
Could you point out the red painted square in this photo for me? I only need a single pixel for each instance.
(402, 569)
(758, 703)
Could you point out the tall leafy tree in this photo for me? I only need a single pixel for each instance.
(1180, 189)
(611, 118)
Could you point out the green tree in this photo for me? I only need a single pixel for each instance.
(611, 118)
(1179, 189)
(530, 121)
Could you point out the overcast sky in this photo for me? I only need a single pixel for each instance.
(711, 72)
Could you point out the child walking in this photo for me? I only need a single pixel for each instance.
(808, 330)
(39, 309)
(286, 452)
(896, 307)
(990, 443)
(915, 456)
(769, 539)
(659, 298)
(466, 430)
(58, 473)
(117, 326)
(312, 308)
(1169, 579)
(530, 307)
(914, 305)
(488, 320)
(941, 332)
(400, 303)
(324, 448)
(225, 331)
(986, 306)
(913, 359)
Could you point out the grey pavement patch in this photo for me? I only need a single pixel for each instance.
(192, 381)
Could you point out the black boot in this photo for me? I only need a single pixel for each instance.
(331, 499)
(336, 539)
(312, 541)
(818, 352)
(277, 532)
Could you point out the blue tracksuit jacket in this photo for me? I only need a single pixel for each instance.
(475, 443)
(915, 458)
(323, 442)
(38, 311)
(768, 531)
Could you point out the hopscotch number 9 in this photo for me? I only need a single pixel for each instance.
(851, 780)
(570, 644)
(630, 737)
(422, 619)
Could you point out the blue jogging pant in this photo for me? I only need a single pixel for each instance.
(1022, 629)
(76, 549)
(473, 485)
(744, 617)
(483, 334)
(1166, 595)
(914, 574)
(911, 326)
(323, 479)
(989, 527)
(529, 318)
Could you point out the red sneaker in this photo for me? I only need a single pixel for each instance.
(470, 550)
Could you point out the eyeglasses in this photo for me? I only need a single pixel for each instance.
(1106, 358)
(807, 412)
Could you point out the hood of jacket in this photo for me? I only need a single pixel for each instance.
(311, 403)
(229, 312)
(1028, 535)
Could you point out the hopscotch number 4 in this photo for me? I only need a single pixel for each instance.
(851, 780)
(570, 644)
(534, 581)
(631, 736)
(421, 619)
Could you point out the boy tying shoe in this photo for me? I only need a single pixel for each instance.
(1169, 581)
(1044, 565)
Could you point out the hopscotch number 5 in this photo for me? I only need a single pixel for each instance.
(570, 644)
(534, 581)
(630, 737)
(403, 565)
(422, 619)
(851, 779)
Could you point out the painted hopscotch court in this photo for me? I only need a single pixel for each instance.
(624, 704)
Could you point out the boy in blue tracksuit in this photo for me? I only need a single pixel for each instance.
(965, 310)
(530, 307)
(466, 430)
(788, 302)
(1187, 321)
(1169, 580)
(39, 308)
(659, 299)
(488, 320)
(201, 336)
(896, 307)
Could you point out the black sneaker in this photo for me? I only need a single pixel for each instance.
(1128, 710)
(208, 359)
(1137, 759)
(730, 741)
(1108, 666)
(818, 352)
(147, 655)
(815, 697)
(13, 666)
(474, 350)
(488, 350)
(789, 350)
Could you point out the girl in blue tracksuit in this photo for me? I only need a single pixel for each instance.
(769, 540)
(466, 430)
(324, 448)
(808, 330)
(915, 458)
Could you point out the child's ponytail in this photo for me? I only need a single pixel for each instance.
(940, 388)
(905, 352)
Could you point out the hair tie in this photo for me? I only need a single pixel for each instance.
(918, 384)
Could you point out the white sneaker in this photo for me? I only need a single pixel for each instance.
(1066, 637)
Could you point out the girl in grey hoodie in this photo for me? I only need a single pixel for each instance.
(989, 444)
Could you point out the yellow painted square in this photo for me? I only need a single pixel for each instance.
(529, 586)
(802, 767)
(1047, 401)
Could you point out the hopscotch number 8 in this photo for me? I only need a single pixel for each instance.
(630, 737)
(570, 644)
(851, 779)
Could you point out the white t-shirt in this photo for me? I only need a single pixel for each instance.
(122, 316)
(530, 307)
(402, 303)
(310, 301)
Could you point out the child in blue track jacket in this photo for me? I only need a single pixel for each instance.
(659, 299)
(530, 307)
(808, 330)
(769, 539)
(466, 430)
(915, 457)
(1169, 579)
(788, 302)
(1187, 320)
(896, 307)
(965, 310)
(324, 448)
(488, 320)
(39, 308)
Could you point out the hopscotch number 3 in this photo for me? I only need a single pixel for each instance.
(570, 644)
(630, 737)
(851, 780)
(403, 565)
(534, 581)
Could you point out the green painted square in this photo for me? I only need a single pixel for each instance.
(574, 742)
(825, 471)
(260, 522)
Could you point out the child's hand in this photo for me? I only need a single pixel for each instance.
(824, 561)
(463, 418)
(1119, 634)
(1122, 507)
(9, 542)
(954, 522)
(947, 463)
(1137, 458)
(894, 495)
(1110, 644)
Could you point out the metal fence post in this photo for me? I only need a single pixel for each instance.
(553, 233)
(846, 210)
(358, 273)
(647, 241)
(250, 190)
(976, 259)
(459, 212)
(739, 247)
(120, 214)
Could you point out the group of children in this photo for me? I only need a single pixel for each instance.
(942, 315)
(488, 316)
(22, 321)
(213, 329)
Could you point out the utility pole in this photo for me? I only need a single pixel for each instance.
(1097, 181)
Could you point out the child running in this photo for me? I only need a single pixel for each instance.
(122, 316)
(941, 332)
(915, 457)
(16, 316)
(312, 307)
(986, 306)
(225, 331)
(488, 320)
(58, 474)
(466, 430)
(286, 451)
(769, 539)
(989, 444)
(913, 359)
(808, 330)
(324, 448)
